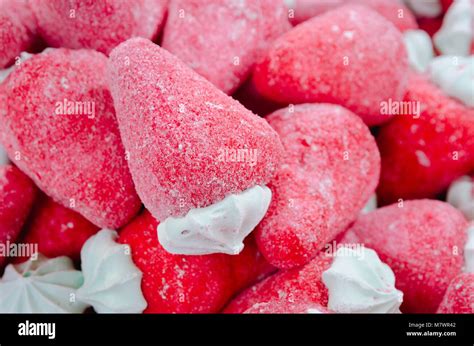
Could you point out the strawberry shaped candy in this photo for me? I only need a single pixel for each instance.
(188, 284)
(60, 129)
(57, 230)
(199, 159)
(330, 170)
(459, 297)
(422, 241)
(17, 193)
(17, 29)
(350, 56)
(423, 153)
(221, 39)
(97, 24)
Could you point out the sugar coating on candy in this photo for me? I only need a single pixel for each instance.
(57, 230)
(187, 284)
(190, 144)
(459, 297)
(331, 168)
(17, 29)
(221, 39)
(60, 129)
(349, 56)
(422, 241)
(393, 10)
(278, 306)
(297, 285)
(17, 194)
(423, 153)
(97, 24)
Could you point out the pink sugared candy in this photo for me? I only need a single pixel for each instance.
(330, 170)
(459, 297)
(59, 128)
(350, 56)
(17, 30)
(179, 128)
(221, 39)
(17, 193)
(297, 290)
(98, 24)
(57, 230)
(427, 146)
(422, 241)
(188, 284)
(393, 10)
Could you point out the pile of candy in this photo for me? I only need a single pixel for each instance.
(203, 156)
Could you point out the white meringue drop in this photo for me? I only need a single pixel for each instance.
(218, 228)
(41, 285)
(371, 205)
(419, 49)
(456, 33)
(111, 279)
(361, 283)
(461, 196)
(455, 76)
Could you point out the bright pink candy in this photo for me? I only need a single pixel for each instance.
(393, 10)
(181, 132)
(221, 39)
(97, 24)
(459, 298)
(295, 290)
(17, 29)
(330, 170)
(60, 129)
(422, 241)
(350, 56)
(17, 193)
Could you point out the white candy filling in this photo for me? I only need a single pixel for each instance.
(361, 283)
(371, 205)
(112, 282)
(456, 33)
(461, 196)
(41, 285)
(455, 76)
(419, 49)
(218, 228)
